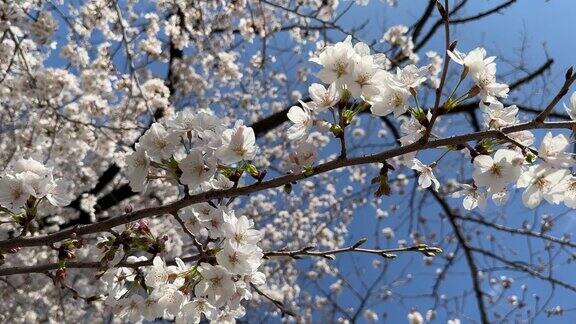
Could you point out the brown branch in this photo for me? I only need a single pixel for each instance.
(484, 13)
(417, 29)
(521, 266)
(531, 76)
(518, 231)
(330, 254)
(274, 183)
(436, 110)
(97, 265)
(296, 254)
(570, 78)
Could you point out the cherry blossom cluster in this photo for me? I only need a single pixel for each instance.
(198, 152)
(351, 72)
(549, 180)
(194, 150)
(213, 288)
(28, 184)
(544, 173)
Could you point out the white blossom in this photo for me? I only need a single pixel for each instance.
(495, 173)
(323, 98)
(13, 195)
(497, 116)
(302, 119)
(571, 108)
(191, 312)
(476, 60)
(553, 151)
(239, 260)
(304, 155)
(473, 197)
(542, 183)
(138, 165)
(390, 100)
(426, 177)
(570, 191)
(31, 179)
(415, 317)
(170, 298)
(158, 143)
(216, 284)
(239, 232)
(160, 273)
(337, 62)
(197, 168)
(365, 76)
(238, 144)
(132, 308)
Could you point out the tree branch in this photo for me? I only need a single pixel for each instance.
(274, 183)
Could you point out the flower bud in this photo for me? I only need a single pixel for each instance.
(336, 130)
(60, 276)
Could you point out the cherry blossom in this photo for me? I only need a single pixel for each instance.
(238, 144)
(322, 97)
(412, 130)
(364, 78)
(570, 192)
(336, 61)
(160, 273)
(426, 177)
(552, 150)
(169, 298)
(239, 232)
(216, 284)
(30, 179)
(497, 172)
(191, 312)
(304, 156)
(138, 165)
(302, 119)
(473, 197)
(13, 194)
(542, 183)
(497, 116)
(415, 317)
(476, 60)
(390, 100)
(483, 71)
(410, 76)
(158, 143)
(197, 168)
(132, 308)
(571, 108)
(240, 259)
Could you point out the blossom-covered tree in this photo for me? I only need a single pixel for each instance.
(213, 160)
